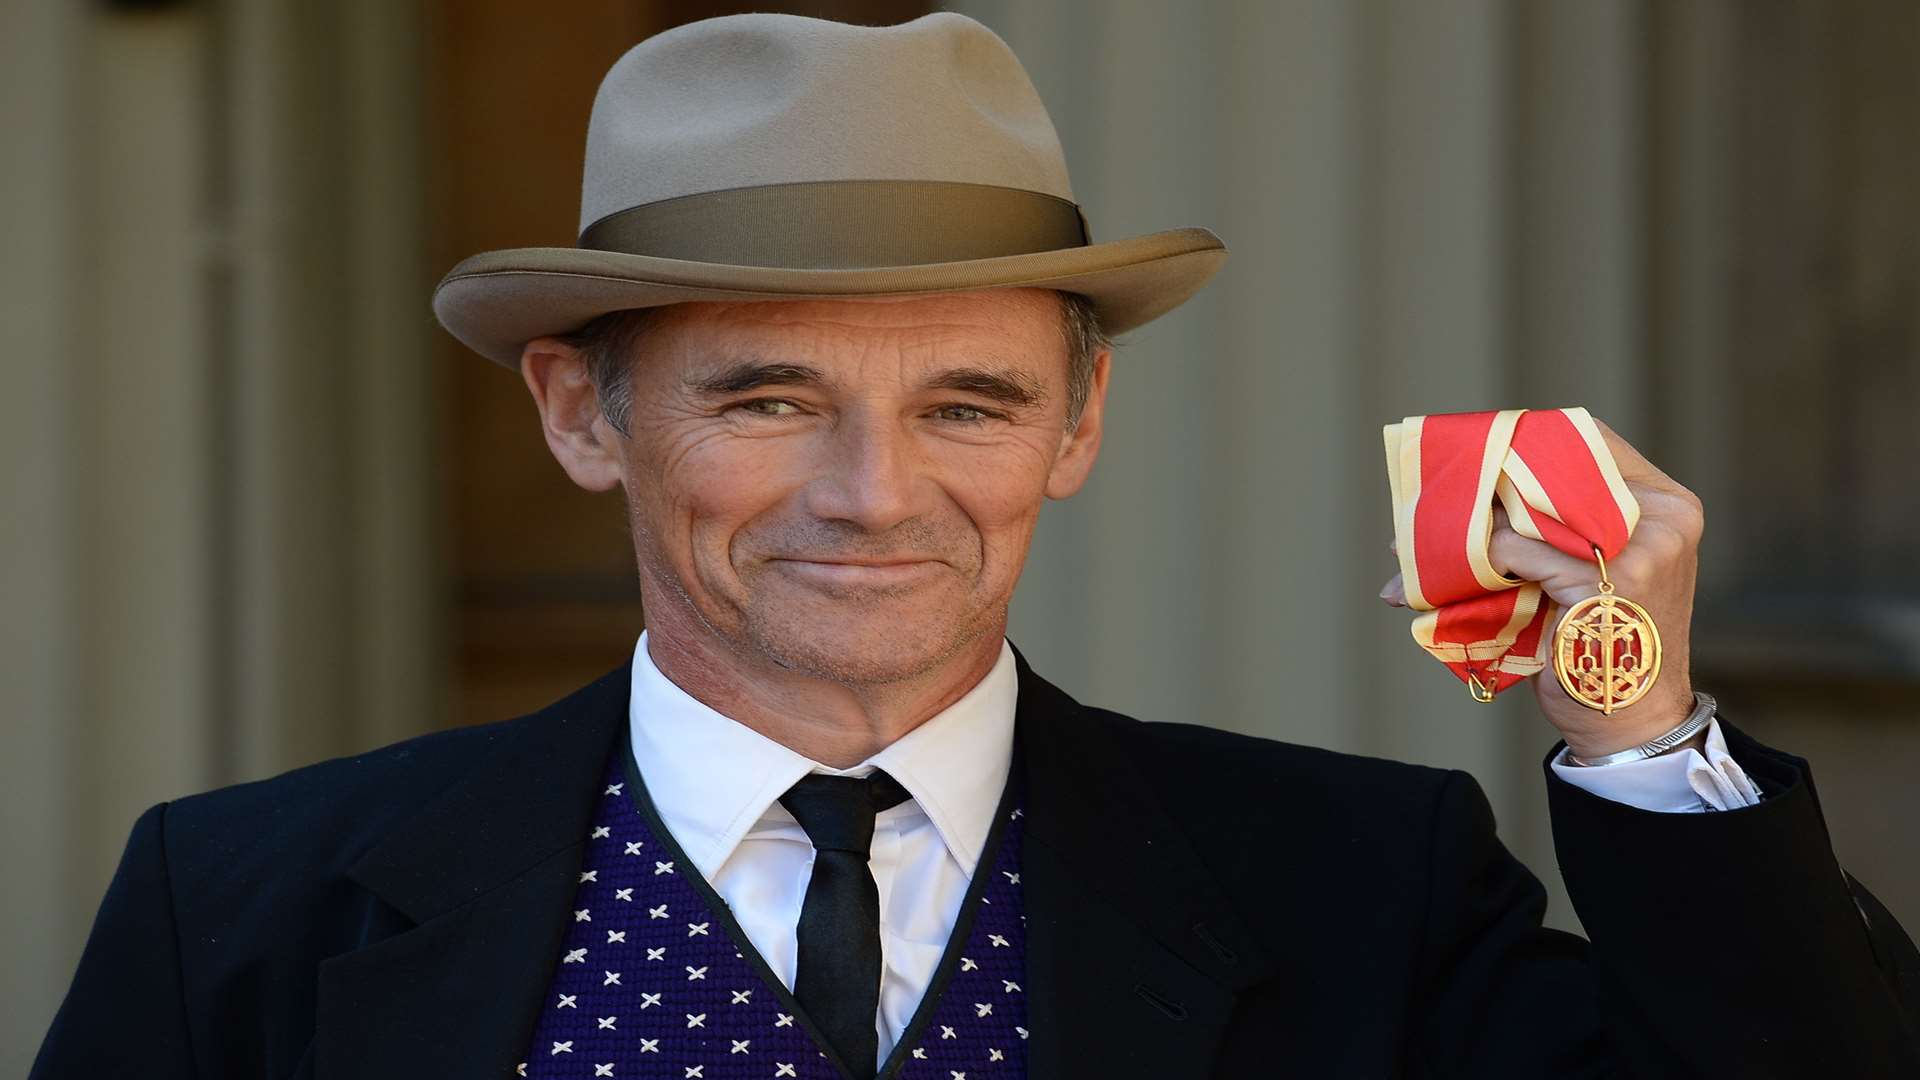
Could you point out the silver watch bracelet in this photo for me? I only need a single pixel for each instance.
(1696, 722)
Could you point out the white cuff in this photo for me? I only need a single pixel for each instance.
(1683, 782)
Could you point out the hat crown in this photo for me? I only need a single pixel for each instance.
(758, 99)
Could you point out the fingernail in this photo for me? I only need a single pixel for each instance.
(1386, 591)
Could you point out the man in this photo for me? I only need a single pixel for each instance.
(835, 329)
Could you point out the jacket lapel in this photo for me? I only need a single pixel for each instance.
(1134, 957)
(483, 874)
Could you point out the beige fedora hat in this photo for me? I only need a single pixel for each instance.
(779, 157)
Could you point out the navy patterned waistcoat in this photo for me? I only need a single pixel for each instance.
(657, 980)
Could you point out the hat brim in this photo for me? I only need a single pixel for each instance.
(497, 301)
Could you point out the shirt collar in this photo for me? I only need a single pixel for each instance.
(711, 778)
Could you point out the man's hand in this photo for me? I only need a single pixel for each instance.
(1656, 570)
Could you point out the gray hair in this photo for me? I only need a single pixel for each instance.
(609, 345)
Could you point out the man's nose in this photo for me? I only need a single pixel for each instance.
(869, 475)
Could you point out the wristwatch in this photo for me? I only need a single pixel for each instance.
(1696, 722)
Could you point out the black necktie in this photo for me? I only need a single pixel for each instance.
(838, 980)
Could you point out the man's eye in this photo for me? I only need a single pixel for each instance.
(966, 414)
(769, 407)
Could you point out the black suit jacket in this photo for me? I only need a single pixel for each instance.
(1200, 904)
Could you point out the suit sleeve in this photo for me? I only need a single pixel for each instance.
(124, 1014)
(1731, 943)
(1495, 993)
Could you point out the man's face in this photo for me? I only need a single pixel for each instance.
(848, 488)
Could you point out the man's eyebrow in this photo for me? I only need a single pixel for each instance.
(1008, 386)
(751, 374)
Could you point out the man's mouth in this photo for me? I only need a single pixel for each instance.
(859, 571)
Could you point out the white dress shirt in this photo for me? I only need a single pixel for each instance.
(1675, 783)
(716, 784)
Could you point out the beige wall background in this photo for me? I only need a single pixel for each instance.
(224, 557)
(219, 544)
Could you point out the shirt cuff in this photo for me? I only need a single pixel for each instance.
(1683, 782)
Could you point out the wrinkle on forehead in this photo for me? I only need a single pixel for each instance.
(973, 329)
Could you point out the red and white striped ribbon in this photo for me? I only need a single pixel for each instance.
(1552, 471)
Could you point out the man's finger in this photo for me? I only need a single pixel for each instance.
(1518, 556)
(1633, 464)
(1393, 593)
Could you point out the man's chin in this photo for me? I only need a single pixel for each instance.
(858, 651)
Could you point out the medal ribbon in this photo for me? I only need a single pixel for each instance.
(1552, 471)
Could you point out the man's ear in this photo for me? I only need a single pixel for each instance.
(1074, 463)
(582, 440)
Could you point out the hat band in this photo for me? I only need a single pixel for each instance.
(844, 224)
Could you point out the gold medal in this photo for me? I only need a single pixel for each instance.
(1606, 650)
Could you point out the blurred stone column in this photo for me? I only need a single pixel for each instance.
(328, 446)
(39, 630)
(217, 429)
(108, 668)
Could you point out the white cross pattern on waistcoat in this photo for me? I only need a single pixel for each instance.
(959, 1054)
